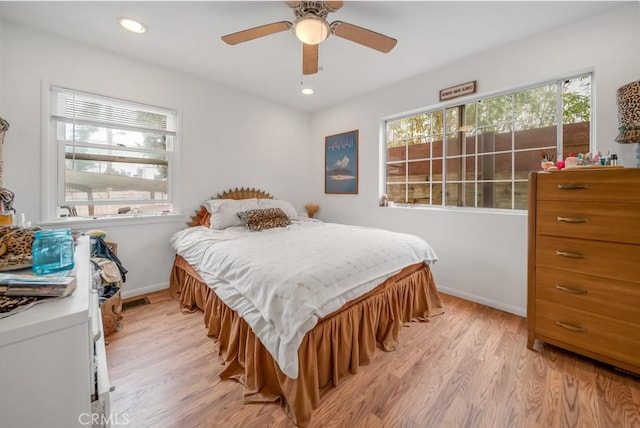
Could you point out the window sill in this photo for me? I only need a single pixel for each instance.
(114, 220)
(501, 211)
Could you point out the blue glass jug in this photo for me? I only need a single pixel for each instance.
(52, 251)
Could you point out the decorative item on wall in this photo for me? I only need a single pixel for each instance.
(341, 163)
(629, 116)
(458, 90)
(4, 126)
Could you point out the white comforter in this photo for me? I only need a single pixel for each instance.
(282, 280)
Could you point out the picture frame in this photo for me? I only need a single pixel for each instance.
(341, 163)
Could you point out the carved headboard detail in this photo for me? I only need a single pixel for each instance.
(202, 215)
(244, 194)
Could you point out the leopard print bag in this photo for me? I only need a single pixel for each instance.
(629, 113)
(15, 247)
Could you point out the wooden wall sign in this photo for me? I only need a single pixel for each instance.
(458, 90)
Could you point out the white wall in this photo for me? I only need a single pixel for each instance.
(1, 62)
(227, 138)
(483, 256)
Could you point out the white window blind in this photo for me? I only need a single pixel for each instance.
(92, 110)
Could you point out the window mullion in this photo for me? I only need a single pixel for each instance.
(513, 152)
(406, 171)
(559, 121)
(443, 185)
(112, 158)
(475, 177)
(112, 147)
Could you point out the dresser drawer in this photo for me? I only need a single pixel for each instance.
(602, 185)
(591, 220)
(597, 258)
(601, 335)
(601, 296)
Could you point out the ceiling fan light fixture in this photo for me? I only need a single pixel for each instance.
(311, 29)
(132, 25)
(307, 91)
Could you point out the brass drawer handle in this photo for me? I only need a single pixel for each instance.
(571, 255)
(572, 186)
(570, 290)
(573, 219)
(571, 327)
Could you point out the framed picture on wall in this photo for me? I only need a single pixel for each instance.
(341, 163)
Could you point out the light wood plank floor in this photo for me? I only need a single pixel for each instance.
(467, 368)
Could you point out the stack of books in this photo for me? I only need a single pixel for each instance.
(27, 285)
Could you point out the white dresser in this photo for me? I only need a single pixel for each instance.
(53, 367)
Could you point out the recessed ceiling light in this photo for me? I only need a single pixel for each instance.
(307, 91)
(132, 25)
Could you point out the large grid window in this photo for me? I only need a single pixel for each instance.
(114, 156)
(479, 154)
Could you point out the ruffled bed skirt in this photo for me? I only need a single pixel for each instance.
(337, 346)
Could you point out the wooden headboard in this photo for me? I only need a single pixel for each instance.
(244, 194)
(202, 215)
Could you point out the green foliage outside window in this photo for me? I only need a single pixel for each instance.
(480, 153)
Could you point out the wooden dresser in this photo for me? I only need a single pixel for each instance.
(584, 263)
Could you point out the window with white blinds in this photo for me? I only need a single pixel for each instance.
(114, 156)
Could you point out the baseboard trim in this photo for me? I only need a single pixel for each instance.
(126, 294)
(484, 301)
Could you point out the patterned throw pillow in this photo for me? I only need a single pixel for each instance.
(264, 219)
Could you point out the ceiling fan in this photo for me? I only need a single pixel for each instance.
(311, 28)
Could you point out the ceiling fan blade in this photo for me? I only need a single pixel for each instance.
(254, 33)
(365, 37)
(309, 59)
(333, 5)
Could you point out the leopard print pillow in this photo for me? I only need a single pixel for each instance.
(264, 219)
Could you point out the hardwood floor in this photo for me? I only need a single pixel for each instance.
(467, 368)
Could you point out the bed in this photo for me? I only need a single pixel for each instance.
(319, 321)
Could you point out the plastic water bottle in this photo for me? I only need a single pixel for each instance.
(52, 251)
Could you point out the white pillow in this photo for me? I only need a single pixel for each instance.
(224, 212)
(278, 203)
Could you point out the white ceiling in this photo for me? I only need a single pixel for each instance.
(185, 36)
